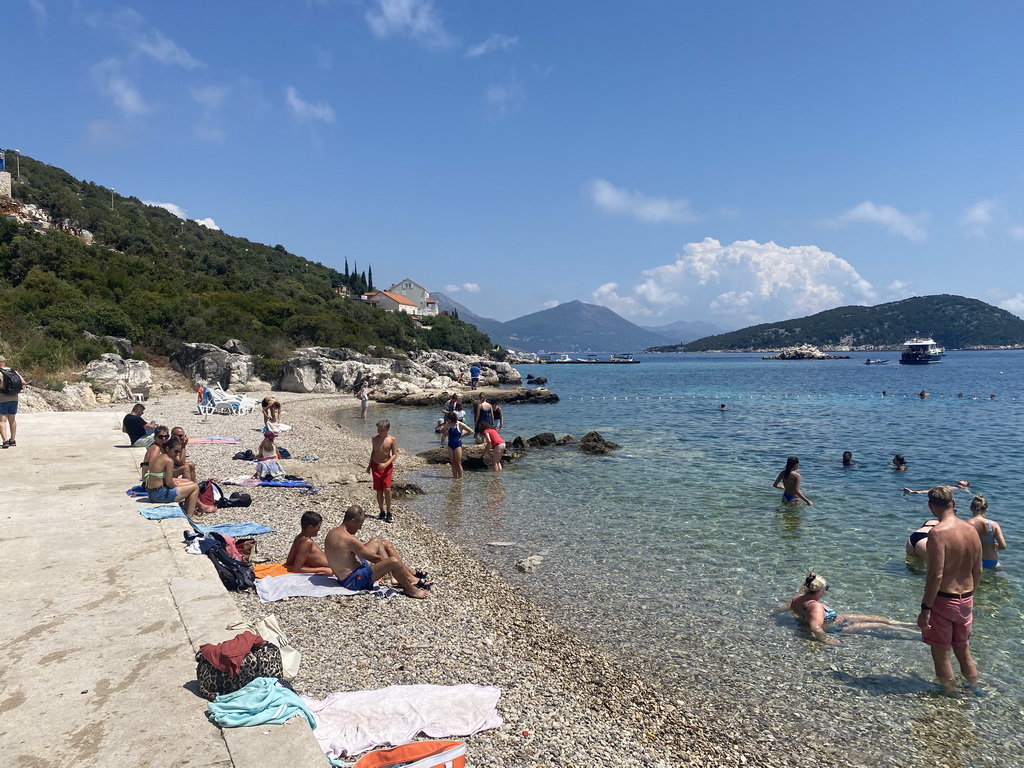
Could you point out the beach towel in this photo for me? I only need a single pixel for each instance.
(163, 512)
(268, 570)
(236, 529)
(137, 492)
(286, 483)
(262, 701)
(271, 590)
(353, 722)
(213, 441)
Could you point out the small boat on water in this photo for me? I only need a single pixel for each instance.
(869, 361)
(591, 359)
(623, 357)
(921, 349)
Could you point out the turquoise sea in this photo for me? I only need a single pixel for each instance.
(672, 551)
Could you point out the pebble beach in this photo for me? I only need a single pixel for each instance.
(564, 700)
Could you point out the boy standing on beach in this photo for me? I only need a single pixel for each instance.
(381, 467)
(305, 556)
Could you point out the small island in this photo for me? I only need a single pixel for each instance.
(804, 352)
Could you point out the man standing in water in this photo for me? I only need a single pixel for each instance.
(954, 569)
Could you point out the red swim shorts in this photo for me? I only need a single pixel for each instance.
(950, 622)
(381, 475)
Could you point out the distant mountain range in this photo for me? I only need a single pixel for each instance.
(682, 331)
(955, 322)
(570, 327)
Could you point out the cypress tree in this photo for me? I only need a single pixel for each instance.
(369, 278)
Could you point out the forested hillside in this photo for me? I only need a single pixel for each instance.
(955, 322)
(159, 280)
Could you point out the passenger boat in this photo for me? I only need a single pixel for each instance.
(869, 361)
(921, 349)
(623, 357)
(589, 360)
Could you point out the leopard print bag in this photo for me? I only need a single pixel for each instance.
(265, 661)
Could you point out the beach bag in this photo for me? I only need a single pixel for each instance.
(418, 754)
(235, 575)
(284, 453)
(247, 547)
(11, 382)
(236, 499)
(210, 494)
(264, 661)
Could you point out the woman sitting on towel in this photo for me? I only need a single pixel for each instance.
(267, 458)
(160, 484)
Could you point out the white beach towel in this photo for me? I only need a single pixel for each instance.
(308, 585)
(350, 723)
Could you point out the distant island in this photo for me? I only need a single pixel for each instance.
(955, 322)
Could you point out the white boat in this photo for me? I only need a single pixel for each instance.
(869, 361)
(623, 357)
(921, 349)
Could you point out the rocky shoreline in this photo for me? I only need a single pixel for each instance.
(565, 701)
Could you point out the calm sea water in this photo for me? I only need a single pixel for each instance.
(673, 550)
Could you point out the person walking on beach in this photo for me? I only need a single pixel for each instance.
(809, 609)
(11, 383)
(357, 566)
(364, 401)
(452, 437)
(383, 453)
(990, 532)
(790, 479)
(954, 569)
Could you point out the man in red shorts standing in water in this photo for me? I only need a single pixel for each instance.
(954, 569)
(382, 465)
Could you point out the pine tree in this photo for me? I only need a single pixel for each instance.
(369, 277)
(346, 269)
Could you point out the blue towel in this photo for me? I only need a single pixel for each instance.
(286, 483)
(163, 512)
(234, 530)
(261, 702)
(137, 491)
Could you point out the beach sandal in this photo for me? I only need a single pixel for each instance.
(424, 584)
(11, 443)
(383, 515)
(5, 445)
(421, 574)
(389, 518)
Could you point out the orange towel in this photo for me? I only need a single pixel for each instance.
(270, 569)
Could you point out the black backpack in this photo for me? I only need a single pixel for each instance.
(237, 499)
(12, 382)
(236, 575)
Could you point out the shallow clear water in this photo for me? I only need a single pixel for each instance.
(674, 549)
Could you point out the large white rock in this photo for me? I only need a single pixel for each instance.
(121, 378)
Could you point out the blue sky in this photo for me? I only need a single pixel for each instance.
(736, 162)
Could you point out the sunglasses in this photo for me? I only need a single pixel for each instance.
(161, 437)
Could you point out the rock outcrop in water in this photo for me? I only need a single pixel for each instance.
(472, 455)
(804, 352)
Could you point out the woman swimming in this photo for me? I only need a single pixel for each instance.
(790, 480)
(899, 463)
(990, 532)
(809, 609)
(917, 543)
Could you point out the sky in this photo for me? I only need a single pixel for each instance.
(736, 162)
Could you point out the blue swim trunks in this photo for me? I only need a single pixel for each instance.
(361, 578)
(163, 494)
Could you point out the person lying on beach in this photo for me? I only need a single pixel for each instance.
(182, 466)
(809, 609)
(960, 485)
(357, 566)
(790, 479)
(305, 556)
(917, 543)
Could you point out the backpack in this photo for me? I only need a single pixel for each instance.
(237, 499)
(210, 494)
(12, 382)
(236, 575)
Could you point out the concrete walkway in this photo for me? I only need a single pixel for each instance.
(104, 613)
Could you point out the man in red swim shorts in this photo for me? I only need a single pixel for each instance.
(381, 466)
(954, 569)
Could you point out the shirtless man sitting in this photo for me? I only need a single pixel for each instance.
(357, 566)
(305, 556)
(183, 467)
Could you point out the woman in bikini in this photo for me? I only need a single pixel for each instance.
(160, 437)
(991, 534)
(452, 436)
(790, 479)
(917, 544)
(809, 609)
(161, 485)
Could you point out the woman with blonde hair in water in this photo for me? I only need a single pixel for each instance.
(809, 609)
(790, 479)
(991, 534)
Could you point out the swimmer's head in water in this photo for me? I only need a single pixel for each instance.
(847, 457)
(962, 484)
(898, 460)
(815, 582)
(979, 505)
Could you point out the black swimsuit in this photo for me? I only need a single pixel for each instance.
(916, 537)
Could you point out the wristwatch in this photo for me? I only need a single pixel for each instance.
(925, 607)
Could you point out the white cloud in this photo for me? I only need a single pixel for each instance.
(177, 210)
(550, 304)
(208, 223)
(503, 98)
(38, 10)
(116, 86)
(747, 282)
(494, 42)
(165, 51)
(412, 18)
(307, 111)
(467, 287)
(133, 28)
(910, 226)
(977, 218)
(608, 198)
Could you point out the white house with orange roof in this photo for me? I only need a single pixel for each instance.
(391, 302)
(416, 293)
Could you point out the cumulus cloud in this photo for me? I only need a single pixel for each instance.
(504, 98)
(208, 223)
(118, 87)
(177, 210)
(616, 201)
(1014, 304)
(467, 287)
(746, 282)
(550, 304)
(494, 42)
(409, 18)
(977, 219)
(910, 226)
(307, 111)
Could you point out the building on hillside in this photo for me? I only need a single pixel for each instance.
(416, 293)
(391, 302)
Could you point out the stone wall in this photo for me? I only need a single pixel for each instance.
(5, 185)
